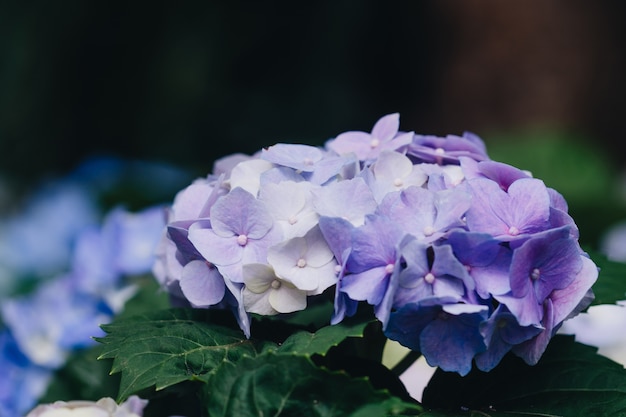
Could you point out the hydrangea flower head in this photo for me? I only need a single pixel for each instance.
(461, 257)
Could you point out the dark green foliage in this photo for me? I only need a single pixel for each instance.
(570, 380)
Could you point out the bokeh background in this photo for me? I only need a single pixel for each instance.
(187, 82)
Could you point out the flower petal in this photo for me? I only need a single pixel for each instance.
(287, 299)
(386, 127)
(202, 285)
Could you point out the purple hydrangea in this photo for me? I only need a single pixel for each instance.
(462, 258)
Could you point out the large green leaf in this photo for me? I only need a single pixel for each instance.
(570, 380)
(282, 385)
(611, 284)
(166, 347)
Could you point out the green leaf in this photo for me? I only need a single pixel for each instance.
(611, 284)
(570, 380)
(306, 343)
(284, 385)
(166, 347)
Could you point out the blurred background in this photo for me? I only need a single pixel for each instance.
(183, 84)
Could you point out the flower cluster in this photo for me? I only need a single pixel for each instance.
(64, 273)
(462, 258)
(63, 314)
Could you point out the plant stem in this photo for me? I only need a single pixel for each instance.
(405, 362)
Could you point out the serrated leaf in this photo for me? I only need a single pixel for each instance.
(571, 380)
(611, 284)
(307, 343)
(166, 347)
(283, 385)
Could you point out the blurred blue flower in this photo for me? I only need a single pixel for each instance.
(54, 320)
(77, 262)
(21, 381)
(39, 240)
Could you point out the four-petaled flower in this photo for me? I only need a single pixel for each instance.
(267, 294)
(367, 146)
(239, 233)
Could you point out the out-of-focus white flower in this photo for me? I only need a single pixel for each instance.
(613, 243)
(601, 326)
(105, 407)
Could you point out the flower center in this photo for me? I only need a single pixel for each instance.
(301, 263)
(429, 278)
(337, 269)
(535, 274)
(242, 240)
(276, 284)
(398, 182)
(429, 230)
(388, 268)
(308, 162)
(292, 220)
(440, 151)
(513, 231)
(374, 143)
